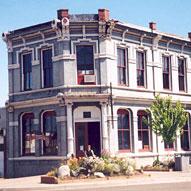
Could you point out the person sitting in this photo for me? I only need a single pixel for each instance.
(89, 152)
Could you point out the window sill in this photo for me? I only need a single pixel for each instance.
(124, 151)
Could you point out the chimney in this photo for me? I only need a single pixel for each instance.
(61, 13)
(103, 14)
(153, 26)
(189, 35)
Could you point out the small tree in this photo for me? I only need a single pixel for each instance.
(168, 119)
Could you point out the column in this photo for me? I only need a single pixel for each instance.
(62, 129)
(104, 126)
(38, 142)
(178, 144)
(70, 135)
(135, 131)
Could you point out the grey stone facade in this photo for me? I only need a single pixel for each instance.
(69, 99)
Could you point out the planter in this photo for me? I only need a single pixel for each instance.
(49, 180)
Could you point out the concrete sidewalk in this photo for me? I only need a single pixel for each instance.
(147, 178)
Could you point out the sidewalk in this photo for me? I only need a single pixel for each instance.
(146, 178)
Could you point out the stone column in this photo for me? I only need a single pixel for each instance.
(70, 134)
(61, 129)
(135, 131)
(178, 144)
(104, 126)
(38, 142)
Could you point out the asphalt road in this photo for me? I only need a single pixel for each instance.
(184, 186)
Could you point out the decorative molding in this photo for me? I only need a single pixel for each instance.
(36, 121)
(13, 123)
(35, 62)
(63, 57)
(13, 66)
(61, 118)
(7, 41)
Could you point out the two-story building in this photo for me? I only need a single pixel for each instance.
(87, 79)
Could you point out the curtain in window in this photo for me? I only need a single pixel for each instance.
(27, 71)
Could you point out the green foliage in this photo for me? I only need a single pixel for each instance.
(168, 119)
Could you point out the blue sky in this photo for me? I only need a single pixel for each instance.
(172, 16)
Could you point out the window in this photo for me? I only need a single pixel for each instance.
(166, 72)
(185, 137)
(50, 133)
(28, 134)
(143, 131)
(27, 71)
(123, 130)
(168, 146)
(140, 68)
(121, 66)
(181, 74)
(85, 61)
(47, 68)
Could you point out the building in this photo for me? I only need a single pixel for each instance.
(3, 123)
(87, 79)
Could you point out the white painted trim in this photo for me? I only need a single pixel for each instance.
(13, 66)
(61, 118)
(13, 123)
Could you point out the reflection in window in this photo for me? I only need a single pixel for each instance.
(27, 71)
(28, 134)
(140, 60)
(181, 74)
(143, 131)
(123, 130)
(121, 65)
(166, 72)
(50, 132)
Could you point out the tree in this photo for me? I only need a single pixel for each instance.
(167, 119)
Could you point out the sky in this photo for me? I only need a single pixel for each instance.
(171, 16)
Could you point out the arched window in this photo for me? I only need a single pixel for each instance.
(185, 137)
(28, 134)
(143, 132)
(124, 139)
(50, 133)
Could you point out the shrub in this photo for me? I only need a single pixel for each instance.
(53, 172)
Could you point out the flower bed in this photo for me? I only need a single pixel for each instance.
(90, 167)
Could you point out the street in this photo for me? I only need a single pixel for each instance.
(181, 186)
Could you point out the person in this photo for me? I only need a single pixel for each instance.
(89, 152)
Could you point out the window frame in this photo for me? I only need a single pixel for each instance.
(23, 75)
(169, 73)
(189, 135)
(144, 52)
(125, 111)
(42, 66)
(143, 113)
(81, 76)
(22, 133)
(44, 136)
(125, 67)
(184, 75)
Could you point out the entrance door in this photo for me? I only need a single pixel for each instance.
(87, 133)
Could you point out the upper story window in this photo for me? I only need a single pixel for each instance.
(166, 62)
(50, 146)
(124, 136)
(140, 61)
(27, 71)
(181, 74)
(28, 134)
(122, 66)
(47, 68)
(85, 63)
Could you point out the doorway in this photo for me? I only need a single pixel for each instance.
(87, 133)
